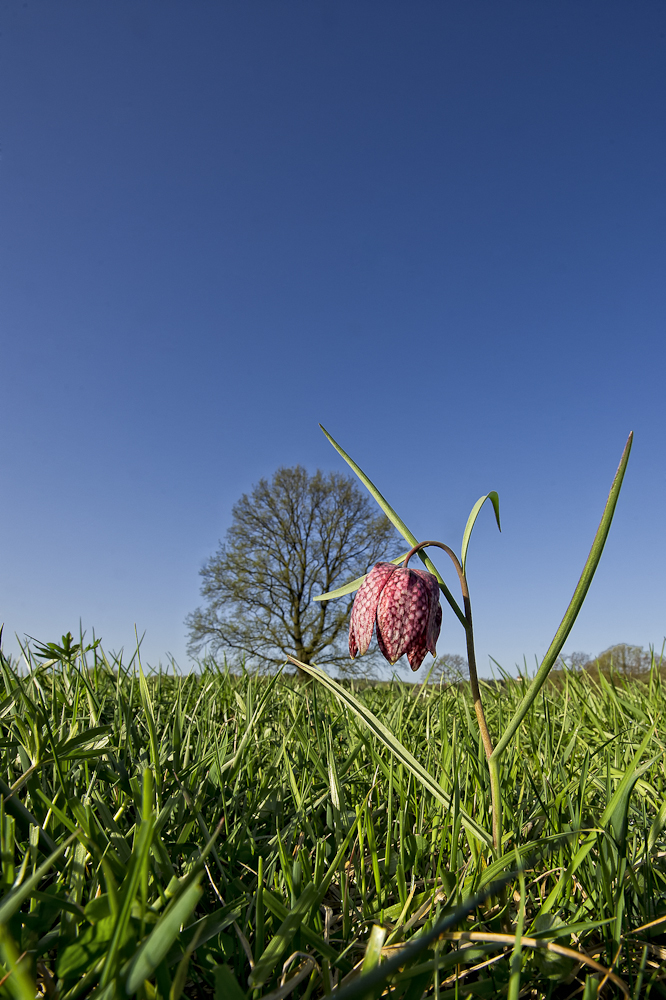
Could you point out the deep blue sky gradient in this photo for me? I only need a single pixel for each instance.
(439, 228)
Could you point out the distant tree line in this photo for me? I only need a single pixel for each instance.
(623, 658)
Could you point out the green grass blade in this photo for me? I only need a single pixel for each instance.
(128, 895)
(310, 898)
(67, 747)
(574, 607)
(393, 744)
(373, 949)
(226, 984)
(256, 715)
(405, 956)
(279, 910)
(156, 946)
(12, 903)
(204, 929)
(147, 702)
(471, 520)
(658, 825)
(25, 818)
(614, 815)
(19, 982)
(283, 936)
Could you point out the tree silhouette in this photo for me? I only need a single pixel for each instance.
(290, 540)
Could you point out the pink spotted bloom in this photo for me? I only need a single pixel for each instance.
(404, 604)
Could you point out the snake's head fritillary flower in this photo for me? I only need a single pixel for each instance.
(404, 605)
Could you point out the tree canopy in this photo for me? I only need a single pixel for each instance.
(290, 540)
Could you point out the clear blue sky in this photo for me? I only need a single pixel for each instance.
(439, 228)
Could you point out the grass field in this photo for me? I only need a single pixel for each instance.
(213, 835)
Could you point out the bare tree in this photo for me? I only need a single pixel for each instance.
(449, 668)
(574, 661)
(290, 540)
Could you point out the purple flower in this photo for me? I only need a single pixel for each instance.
(404, 604)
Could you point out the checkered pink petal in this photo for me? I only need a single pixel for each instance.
(416, 652)
(437, 624)
(435, 616)
(364, 611)
(402, 613)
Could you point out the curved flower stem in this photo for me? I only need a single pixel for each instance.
(493, 762)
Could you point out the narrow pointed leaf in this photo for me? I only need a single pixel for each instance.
(67, 747)
(150, 722)
(616, 812)
(612, 816)
(373, 949)
(575, 605)
(396, 522)
(280, 911)
(226, 984)
(129, 891)
(283, 936)
(657, 826)
(21, 985)
(349, 588)
(12, 903)
(160, 939)
(404, 957)
(394, 745)
(467, 533)
(311, 898)
(247, 735)
(25, 819)
(204, 929)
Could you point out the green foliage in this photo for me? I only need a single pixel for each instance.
(217, 836)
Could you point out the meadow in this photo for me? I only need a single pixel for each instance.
(212, 835)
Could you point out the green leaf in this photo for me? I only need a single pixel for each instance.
(397, 523)
(555, 931)
(349, 588)
(373, 949)
(157, 944)
(226, 984)
(404, 957)
(12, 903)
(279, 910)
(310, 898)
(150, 722)
(81, 955)
(657, 826)
(67, 747)
(467, 533)
(25, 818)
(614, 815)
(283, 936)
(575, 605)
(247, 735)
(19, 981)
(128, 893)
(394, 745)
(204, 929)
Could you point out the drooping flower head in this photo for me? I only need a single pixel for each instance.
(404, 606)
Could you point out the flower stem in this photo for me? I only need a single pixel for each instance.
(493, 762)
